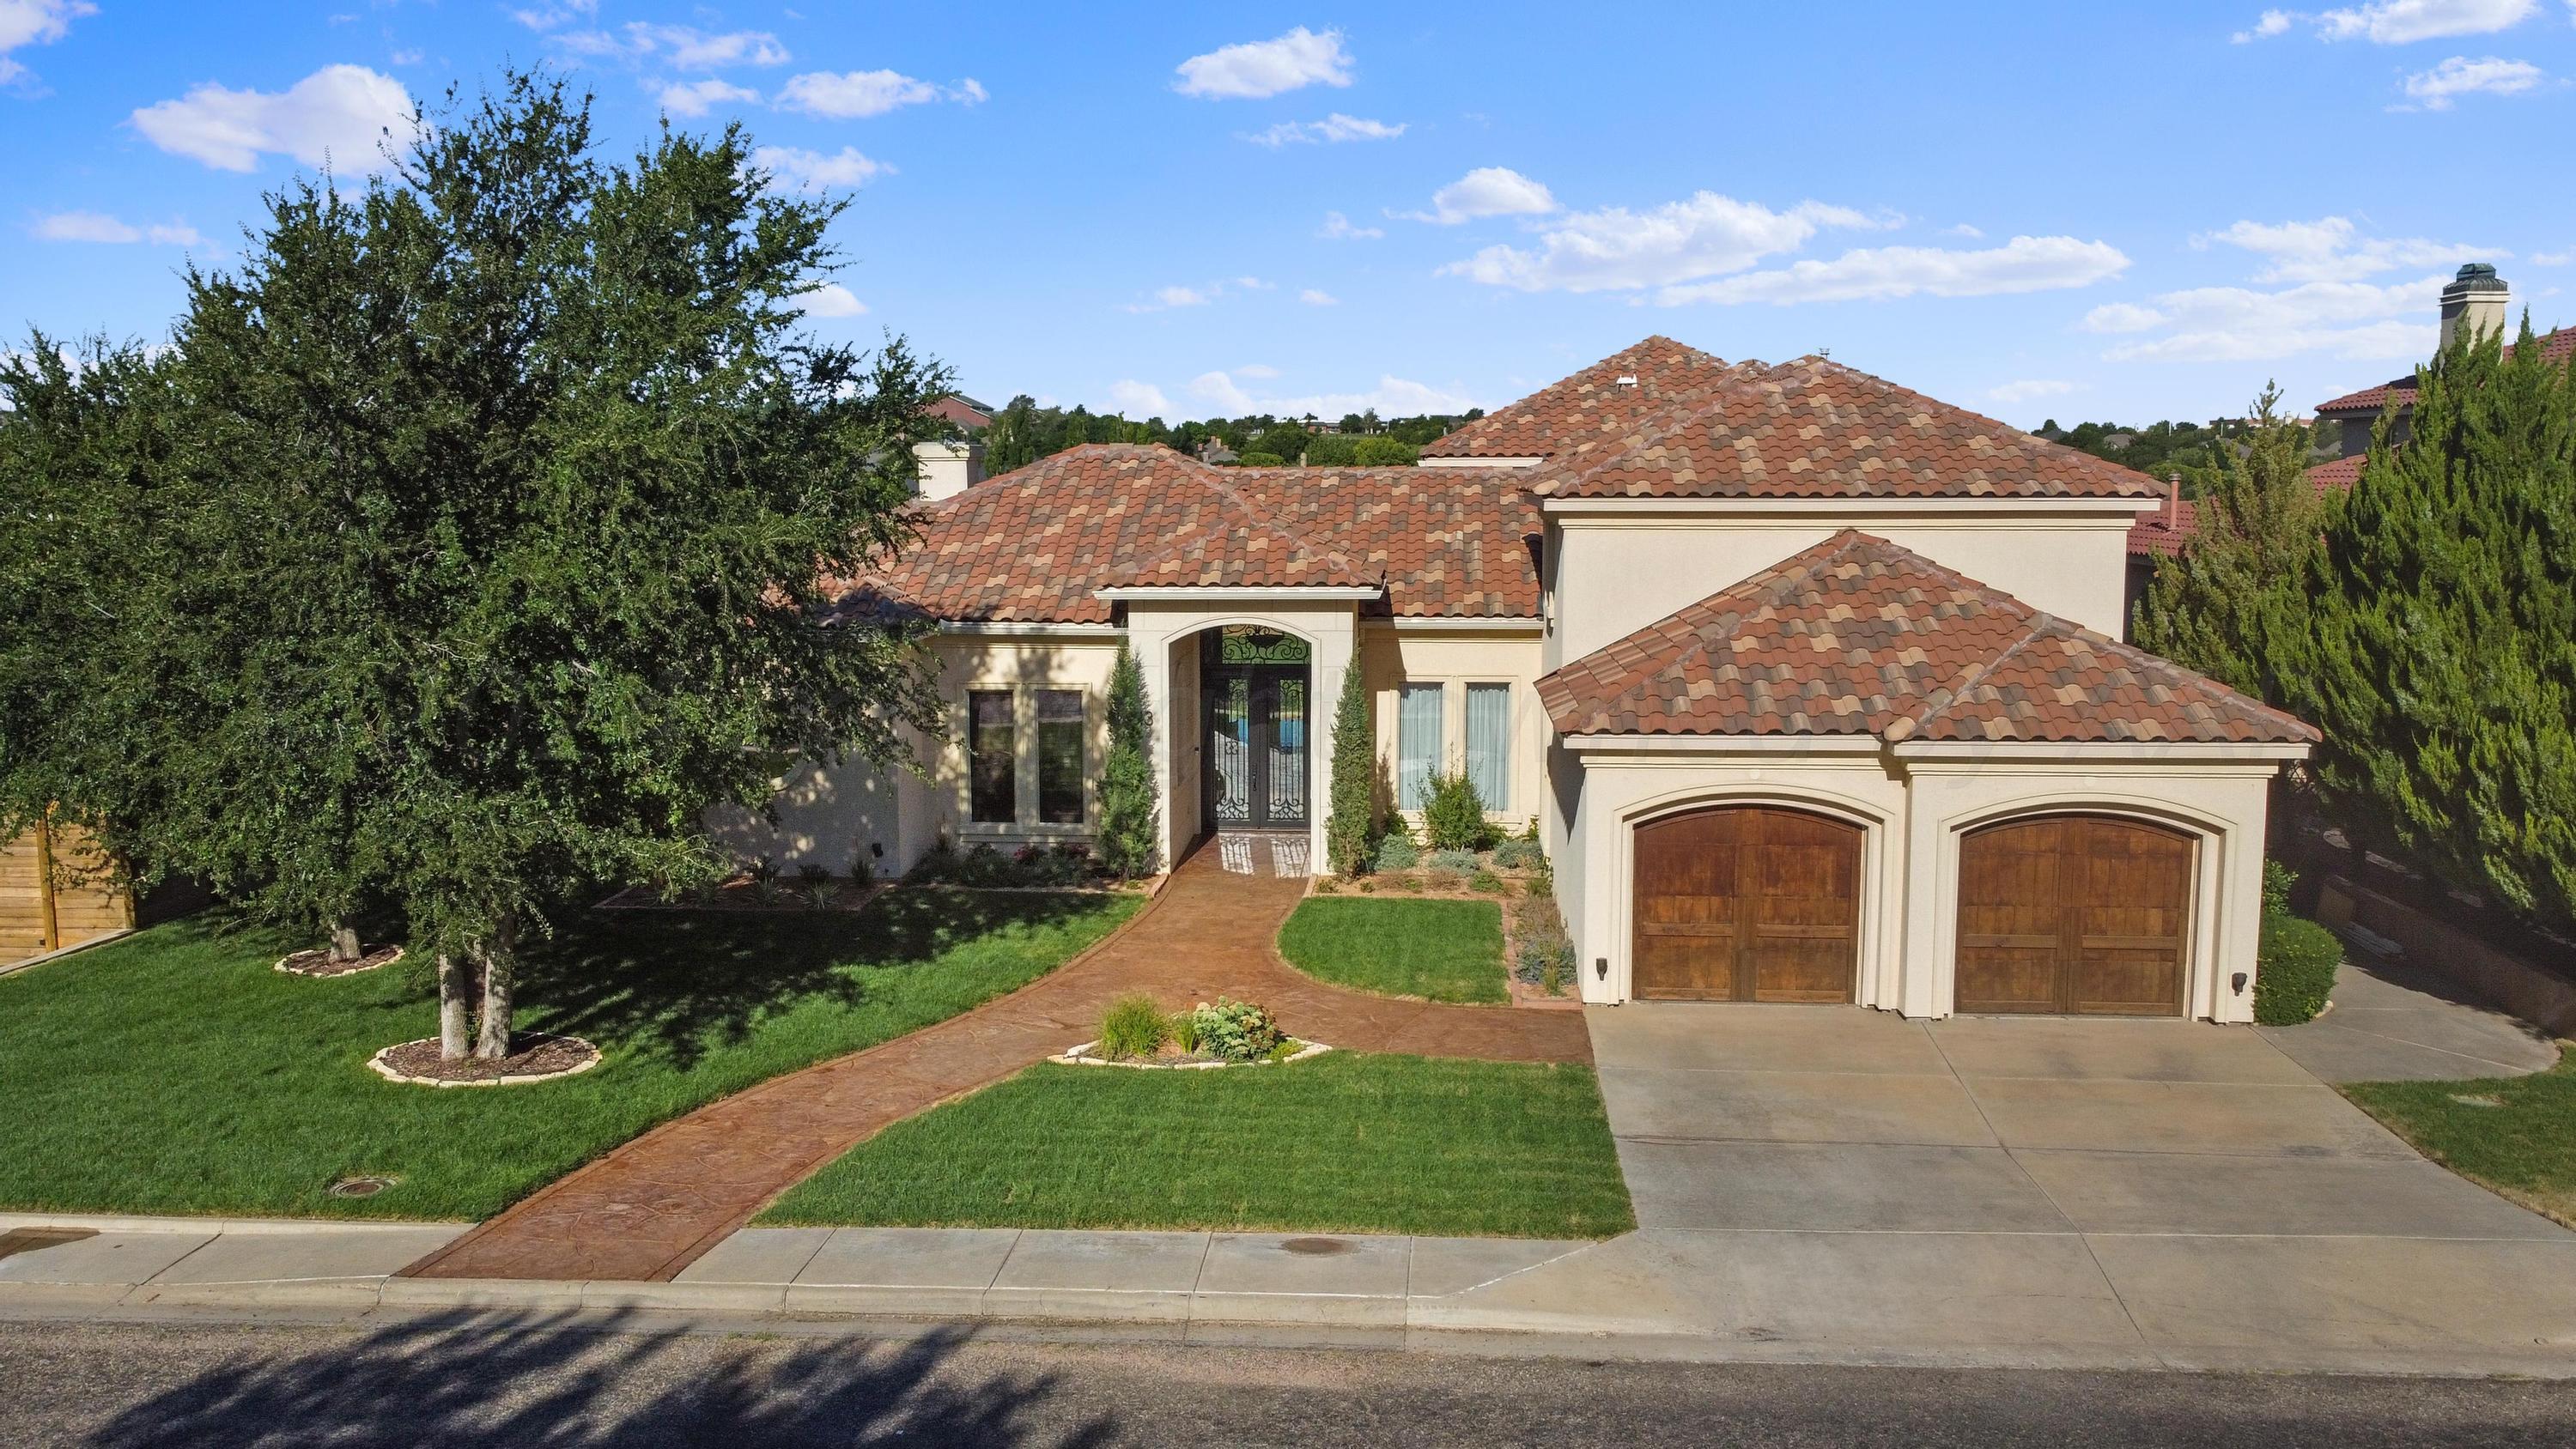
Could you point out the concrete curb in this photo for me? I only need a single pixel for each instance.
(129, 1223)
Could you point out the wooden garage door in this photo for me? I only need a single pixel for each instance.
(2074, 914)
(1746, 903)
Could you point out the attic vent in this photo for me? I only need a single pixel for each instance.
(1625, 379)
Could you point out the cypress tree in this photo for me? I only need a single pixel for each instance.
(2445, 673)
(1128, 817)
(1347, 830)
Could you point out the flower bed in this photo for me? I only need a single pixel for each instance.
(1515, 872)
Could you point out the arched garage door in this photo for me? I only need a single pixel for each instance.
(2074, 914)
(1746, 903)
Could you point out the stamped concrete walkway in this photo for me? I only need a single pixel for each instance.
(650, 1208)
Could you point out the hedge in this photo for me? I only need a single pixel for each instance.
(2294, 969)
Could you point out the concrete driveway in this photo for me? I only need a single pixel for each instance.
(1842, 1175)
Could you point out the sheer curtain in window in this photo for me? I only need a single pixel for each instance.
(1418, 730)
(1489, 733)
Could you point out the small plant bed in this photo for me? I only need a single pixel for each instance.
(984, 866)
(317, 962)
(755, 891)
(2515, 1136)
(534, 1057)
(1352, 1142)
(1135, 1032)
(1430, 950)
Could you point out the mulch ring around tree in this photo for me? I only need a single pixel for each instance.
(318, 962)
(535, 1056)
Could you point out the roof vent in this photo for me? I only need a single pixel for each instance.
(1625, 379)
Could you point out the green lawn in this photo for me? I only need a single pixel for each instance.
(1344, 1143)
(176, 1073)
(2524, 1149)
(1436, 950)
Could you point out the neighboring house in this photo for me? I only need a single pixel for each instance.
(1808, 679)
(964, 411)
(954, 465)
(2476, 299)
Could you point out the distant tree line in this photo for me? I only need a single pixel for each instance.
(1024, 432)
(2162, 449)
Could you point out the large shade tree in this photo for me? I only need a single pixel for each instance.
(510, 494)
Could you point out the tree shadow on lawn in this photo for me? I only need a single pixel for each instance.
(464, 1378)
(680, 983)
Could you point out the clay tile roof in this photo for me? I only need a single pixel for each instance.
(1860, 636)
(1035, 544)
(1817, 429)
(1570, 416)
(2160, 533)
(2555, 346)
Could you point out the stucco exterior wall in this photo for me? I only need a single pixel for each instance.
(1392, 655)
(1614, 573)
(1912, 813)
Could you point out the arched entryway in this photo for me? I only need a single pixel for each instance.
(1257, 725)
(2074, 915)
(1746, 903)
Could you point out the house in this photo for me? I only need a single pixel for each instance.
(2476, 299)
(1810, 681)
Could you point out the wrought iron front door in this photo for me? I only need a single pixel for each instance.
(1258, 734)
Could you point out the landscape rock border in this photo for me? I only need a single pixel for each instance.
(1074, 1057)
(382, 1066)
(366, 962)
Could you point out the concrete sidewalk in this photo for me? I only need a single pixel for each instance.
(2103, 1300)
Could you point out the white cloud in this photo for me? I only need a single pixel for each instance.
(343, 114)
(1184, 297)
(1486, 191)
(2355, 320)
(1256, 69)
(1255, 284)
(1142, 399)
(547, 17)
(861, 93)
(1165, 298)
(94, 226)
(2332, 249)
(1256, 369)
(696, 98)
(2029, 388)
(1619, 249)
(834, 300)
(2555, 259)
(35, 22)
(681, 47)
(2459, 76)
(792, 169)
(1393, 397)
(1337, 227)
(1963, 229)
(2271, 23)
(1335, 127)
(1874, 274)
(1316, 297)
(2399, 22)
(406, 57)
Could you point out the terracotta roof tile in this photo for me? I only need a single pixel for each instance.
(2160, 533)
(1450, 542)
(1817, 429)
(1575, 414)
(1860, 636)
(2555, 346)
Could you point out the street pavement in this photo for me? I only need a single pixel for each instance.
(468, 1380)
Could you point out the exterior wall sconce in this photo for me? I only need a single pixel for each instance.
(1601, 968)
(2238, 981)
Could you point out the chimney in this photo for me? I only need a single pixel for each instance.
(2173, 500)
(2474, 301)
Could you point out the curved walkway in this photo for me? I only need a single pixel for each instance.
(648, 1209)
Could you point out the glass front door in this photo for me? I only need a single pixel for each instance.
(1257, 730)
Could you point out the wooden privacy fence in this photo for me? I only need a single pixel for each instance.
(56, 891)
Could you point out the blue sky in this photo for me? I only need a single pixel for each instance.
(2131, 212)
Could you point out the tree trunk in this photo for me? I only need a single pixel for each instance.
(500, 953)
(455, 1005)
(344, 941)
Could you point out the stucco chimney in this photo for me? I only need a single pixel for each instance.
(2173, 500)
(2475, 301)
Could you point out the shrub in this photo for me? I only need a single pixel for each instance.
(1236, 1030)
(2278, 881)
(1332, 450)
(1441, 878)
(1130, 816)
(1545, 958)
(1133, 1027)
(1453, 815)
(1488, 882)
(1354, 789)
(1259, 459)
(1398, 852)
(1412, 883)
(820, 893)
(2294, 969)
(1385, 453)
(812, 871)
(1184, 1027)
(1518, 854)
(1464, 862)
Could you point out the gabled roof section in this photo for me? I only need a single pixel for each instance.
(1221, 540)
(1817, 429)
(1574, 415)
(1858, 636)
(1450, 542)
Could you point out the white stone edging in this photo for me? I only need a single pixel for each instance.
(1074, 1056)
(280, 965)
(390, 1073)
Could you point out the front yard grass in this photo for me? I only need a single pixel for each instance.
(1349, 1142)
(1435, 950)
(176, 1073)
(2514, 1135)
